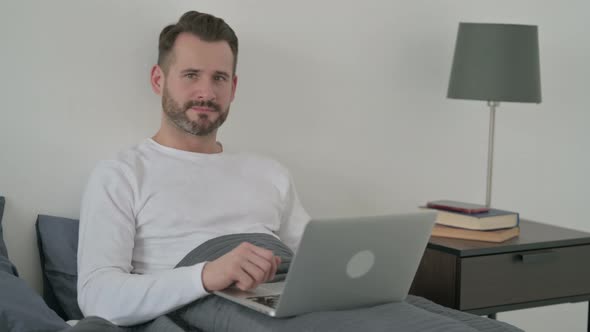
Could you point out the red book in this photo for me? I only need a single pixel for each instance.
(457, 206)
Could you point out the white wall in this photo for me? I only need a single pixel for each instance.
(350, 95)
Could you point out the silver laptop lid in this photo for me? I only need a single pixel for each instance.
(354, 262)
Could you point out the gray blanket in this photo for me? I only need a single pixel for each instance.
(213, 313)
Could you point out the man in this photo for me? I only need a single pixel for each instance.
(145, 210)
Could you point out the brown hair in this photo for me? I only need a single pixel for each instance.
(205, 26)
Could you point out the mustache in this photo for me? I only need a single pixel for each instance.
(202, 103)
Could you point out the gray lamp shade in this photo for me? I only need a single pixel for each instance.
(496, 62)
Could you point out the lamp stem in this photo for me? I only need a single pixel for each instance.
(492, 105)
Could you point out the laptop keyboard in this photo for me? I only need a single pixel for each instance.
(269, 300)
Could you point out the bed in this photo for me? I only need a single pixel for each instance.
(22, 309)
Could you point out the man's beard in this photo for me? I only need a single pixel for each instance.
(201, 127)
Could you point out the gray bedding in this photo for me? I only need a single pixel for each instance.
(21, 308)
(213, 313)
(19, 313)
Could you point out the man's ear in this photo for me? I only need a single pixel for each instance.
(234, 86)
(157, 79)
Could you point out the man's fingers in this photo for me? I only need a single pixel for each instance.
(262, 258)
(264, 253)
(264, 265)
(243, 280)
(268, 256)
(255, 272)
(275, 266)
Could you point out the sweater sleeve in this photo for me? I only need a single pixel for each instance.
(294, 218)
(106, 285)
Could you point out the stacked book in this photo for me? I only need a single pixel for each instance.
(473, 221)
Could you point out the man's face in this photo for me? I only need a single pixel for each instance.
(199, 86)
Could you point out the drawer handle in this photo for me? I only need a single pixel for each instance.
(536, 257)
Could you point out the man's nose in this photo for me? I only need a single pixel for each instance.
(204, 90)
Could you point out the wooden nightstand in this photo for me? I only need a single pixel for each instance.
(544, 265)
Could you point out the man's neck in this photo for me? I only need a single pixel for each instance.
(174, 138)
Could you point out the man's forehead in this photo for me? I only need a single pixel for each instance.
(190, 50)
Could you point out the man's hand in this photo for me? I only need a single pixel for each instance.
(246, 265)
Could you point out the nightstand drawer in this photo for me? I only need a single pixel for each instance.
(517, 277)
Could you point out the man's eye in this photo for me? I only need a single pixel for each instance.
(220, 78)
(191, 75)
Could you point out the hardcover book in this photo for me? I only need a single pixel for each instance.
(489, 220)
(499, 235)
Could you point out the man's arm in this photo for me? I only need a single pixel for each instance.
(106, 286)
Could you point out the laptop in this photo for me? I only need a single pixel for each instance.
(345, 263)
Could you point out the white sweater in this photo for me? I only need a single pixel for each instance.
(144, 211)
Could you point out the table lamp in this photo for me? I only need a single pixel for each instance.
(495, 63)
